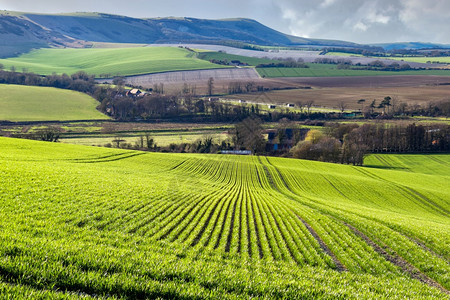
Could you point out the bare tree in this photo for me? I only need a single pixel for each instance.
(361, 101)
(308, 105)
(342, 106)
(210, 86)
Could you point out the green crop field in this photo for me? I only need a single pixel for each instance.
(30, 103)
(423, 59)
(86, 222)
(252, 61)
(418, 59)
(112, 61)
(323, 70)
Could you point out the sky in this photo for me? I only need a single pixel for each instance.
(361, 21)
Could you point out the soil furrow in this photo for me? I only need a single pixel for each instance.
(398, 261)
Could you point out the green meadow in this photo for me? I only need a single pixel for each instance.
(31, 103)
(111, 61)
(324, 70)
(417, 59)
(86, 222)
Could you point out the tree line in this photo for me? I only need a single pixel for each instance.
(349, 143)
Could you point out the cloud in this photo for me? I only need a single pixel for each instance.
(369, 21)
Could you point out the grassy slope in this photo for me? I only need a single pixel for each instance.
(321, 70)
(177, 225)
(418, 59)
(27, 103)
(252, 61)
(113, 61)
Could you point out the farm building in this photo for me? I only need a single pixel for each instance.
(213, 99)
(237, 152)
(290, 105)
(135, 93)
(271, 106)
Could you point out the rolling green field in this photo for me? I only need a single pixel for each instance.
(112, 61)
(418, 59)
(423, 59)
(85, 222)
(252, 61)
(323, 70)
(30, 103)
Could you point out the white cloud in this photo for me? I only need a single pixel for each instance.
(360, 26)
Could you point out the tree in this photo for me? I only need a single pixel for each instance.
(317, 146)
(361, 101)
(119, 81)
(355, 145)
(308, 105)
(342, 106)
(373, 105)
(210, 85)
(248, 135)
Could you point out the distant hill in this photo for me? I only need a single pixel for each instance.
(20, 32)
(411, 45)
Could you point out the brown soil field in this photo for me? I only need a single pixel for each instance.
(367, 81)
(331, 97)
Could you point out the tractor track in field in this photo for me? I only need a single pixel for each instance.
(410, 191)
(398, 261)
(339, 266)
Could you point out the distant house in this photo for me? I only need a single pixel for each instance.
(237, 152)
(290, 105)
(271, 106)
(283, 140)
(242, 101)
(213, 99)
(134, 93)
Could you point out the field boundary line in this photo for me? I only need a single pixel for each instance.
(339, 266)
(398, 261)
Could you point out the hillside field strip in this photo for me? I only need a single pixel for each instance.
(322, 70)
(112, 61)
(417, 59)
(31, 103)
(87, 222)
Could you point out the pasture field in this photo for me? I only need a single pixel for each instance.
(417, 59)
(112, 61)
(324, 70)
(85, 222)
(252, 61)
(30, 103)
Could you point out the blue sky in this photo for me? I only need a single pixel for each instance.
(362, 21)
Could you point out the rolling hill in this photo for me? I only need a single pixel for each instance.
(24, 31)
(85, 222)
(109, 62)
(31, 103)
